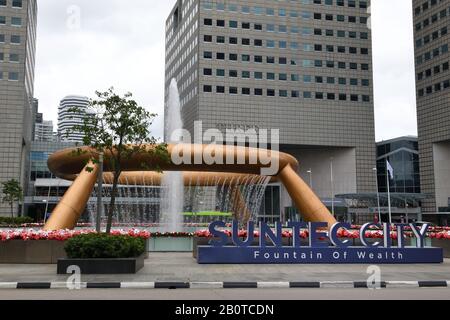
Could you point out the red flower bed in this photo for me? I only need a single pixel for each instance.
(62, 235)
(342, 233)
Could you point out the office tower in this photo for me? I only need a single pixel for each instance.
(431, 23)
(17, 59)
(303, 67)
(71, 113)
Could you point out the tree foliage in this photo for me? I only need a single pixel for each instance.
(120, 128)
(12, 193)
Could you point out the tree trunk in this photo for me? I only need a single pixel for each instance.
(112, 203)
(12, 210)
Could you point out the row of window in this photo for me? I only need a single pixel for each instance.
(282, 12)
(284, 61)
(11, 76)
(433, 71)
(14, 39)
(426, 5)
(432, 54)
(431, 37)
(13, 57)
(258, 75)
(272, 28)
(14, 21)
(433, 19)
(14, 3)
(287, 93)
(294, 45)
(438, 87)
(234, 24)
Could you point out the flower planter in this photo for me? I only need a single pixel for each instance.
(170, 244)
(103, 266)
(31, 252)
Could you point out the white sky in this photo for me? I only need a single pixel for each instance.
(118, 44)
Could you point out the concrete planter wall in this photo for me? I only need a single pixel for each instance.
(31, 252)
(170, 244)
(103, 266)
(444, 244)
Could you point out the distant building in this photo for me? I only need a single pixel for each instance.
(403, 155)
(405, 191)
(432, 41)
(68, 118)
(44, 131)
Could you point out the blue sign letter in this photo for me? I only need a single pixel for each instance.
(334, 235)
(296, 228)
(314, 235)
(218, 234)
(265, 230)
(250, 236)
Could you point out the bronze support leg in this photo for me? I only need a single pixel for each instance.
(73, 204)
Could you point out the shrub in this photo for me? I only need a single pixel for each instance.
(92, 246)
(5, 221)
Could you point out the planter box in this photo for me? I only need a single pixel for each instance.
(170, 244)
(103, 266)
(31, 252)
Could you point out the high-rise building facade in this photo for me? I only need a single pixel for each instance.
(431, 23)
(71, 113)
(17, 59)
(303, 67)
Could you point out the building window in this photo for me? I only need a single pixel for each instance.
(13, 76)
(207, 88)
(16, 3)
(2, 20)
(16, 21)
(15, 39)
(14, 57)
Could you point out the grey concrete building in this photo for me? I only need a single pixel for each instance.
(431, 23)
(303, 67)
(17, 59)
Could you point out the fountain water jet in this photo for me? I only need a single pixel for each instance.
(172, 185)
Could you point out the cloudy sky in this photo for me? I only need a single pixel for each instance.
(86, 45)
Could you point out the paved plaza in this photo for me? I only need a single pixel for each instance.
(181, 267)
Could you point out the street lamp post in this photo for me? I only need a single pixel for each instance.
(332, 186)
(378, 195)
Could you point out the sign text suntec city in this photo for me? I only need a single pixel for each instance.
(322, 246)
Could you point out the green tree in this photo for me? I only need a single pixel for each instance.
(12, 193)
(120, 127)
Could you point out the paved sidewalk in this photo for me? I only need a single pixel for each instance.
(181, 267)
